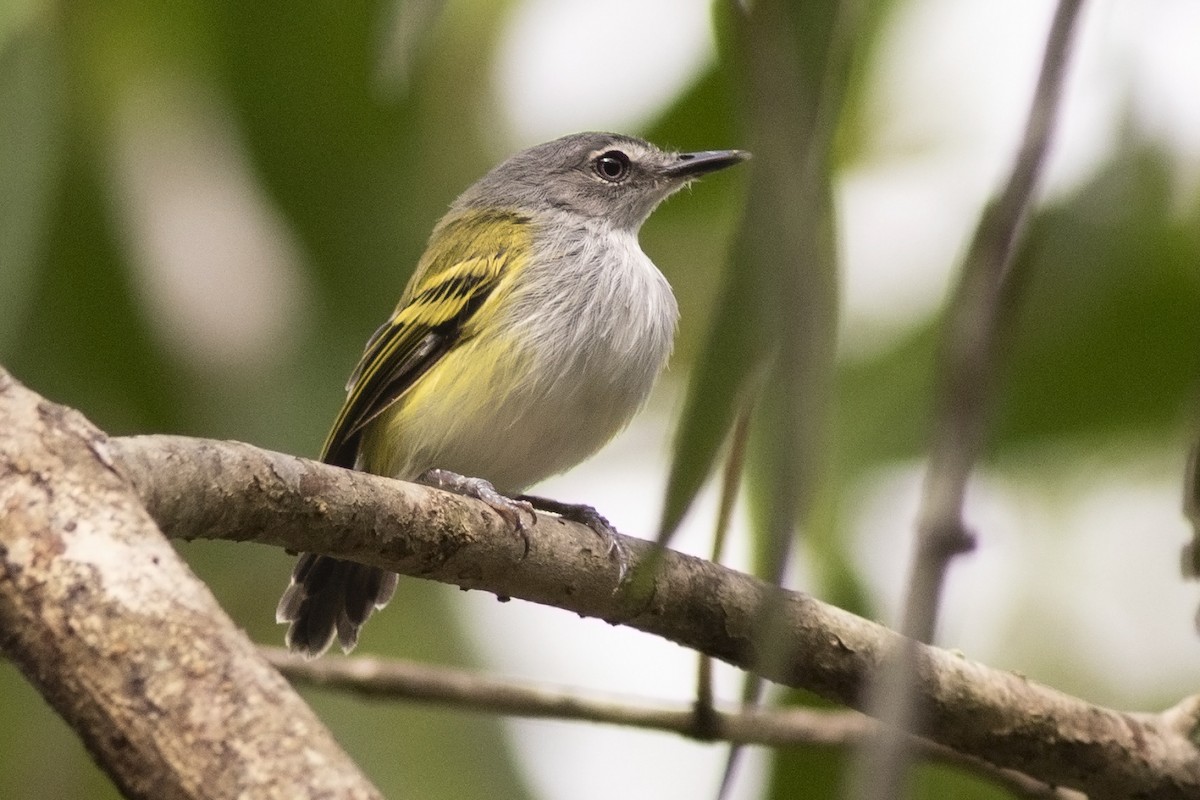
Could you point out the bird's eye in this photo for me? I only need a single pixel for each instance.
(612, 166)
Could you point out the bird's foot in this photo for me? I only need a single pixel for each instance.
(511, 510)
(586, 515)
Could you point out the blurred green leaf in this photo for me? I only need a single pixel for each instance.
(939, 782)
(1106, 341)
(361, 177)
(688, 238)
(17, 16)
(41, 756)
(31, 139)
(819, 773)
(776, 313)
(407, 34)
(83, 341)
(806, 773)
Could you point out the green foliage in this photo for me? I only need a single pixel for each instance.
(358, 139)
(1105, 336)
(359, 173)
(31, 144)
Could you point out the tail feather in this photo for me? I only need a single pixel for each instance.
(329, 597)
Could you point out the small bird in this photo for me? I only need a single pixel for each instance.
(530, 333)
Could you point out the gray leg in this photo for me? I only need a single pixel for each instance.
(508, 508)
(586, 515)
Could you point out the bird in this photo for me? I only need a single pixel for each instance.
(529, 334)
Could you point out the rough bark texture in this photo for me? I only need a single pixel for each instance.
(228, 490)
(99, 613)
(174, 702)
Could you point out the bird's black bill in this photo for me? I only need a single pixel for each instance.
(691, 165)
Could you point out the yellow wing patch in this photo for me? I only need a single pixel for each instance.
(469, 258)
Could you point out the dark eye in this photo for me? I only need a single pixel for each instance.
(612, 166)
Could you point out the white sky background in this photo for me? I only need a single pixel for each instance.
(1098, 595)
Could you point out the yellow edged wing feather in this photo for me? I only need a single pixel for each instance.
(470, 257)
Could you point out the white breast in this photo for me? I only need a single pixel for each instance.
(568, 361)
(597, 321)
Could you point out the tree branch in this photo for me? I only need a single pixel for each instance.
(969, 356)
(101, 615)
(174, 702)
(407, 680)
(205, 489)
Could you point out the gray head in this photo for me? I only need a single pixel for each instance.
(599, 175)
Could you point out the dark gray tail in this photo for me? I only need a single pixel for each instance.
(328, 596)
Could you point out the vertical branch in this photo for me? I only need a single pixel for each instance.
(1190, 557)
(966, 376)
(105, 620)
(731, 481)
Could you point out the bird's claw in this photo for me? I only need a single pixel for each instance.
(608, 534)
(586, 515)
(510, 510)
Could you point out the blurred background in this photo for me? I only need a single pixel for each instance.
(206, 209)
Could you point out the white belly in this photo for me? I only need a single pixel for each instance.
(578, 358)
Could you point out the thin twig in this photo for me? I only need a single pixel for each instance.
(1189, 557)
(967, 371)
(731, 481)
(470, 691)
